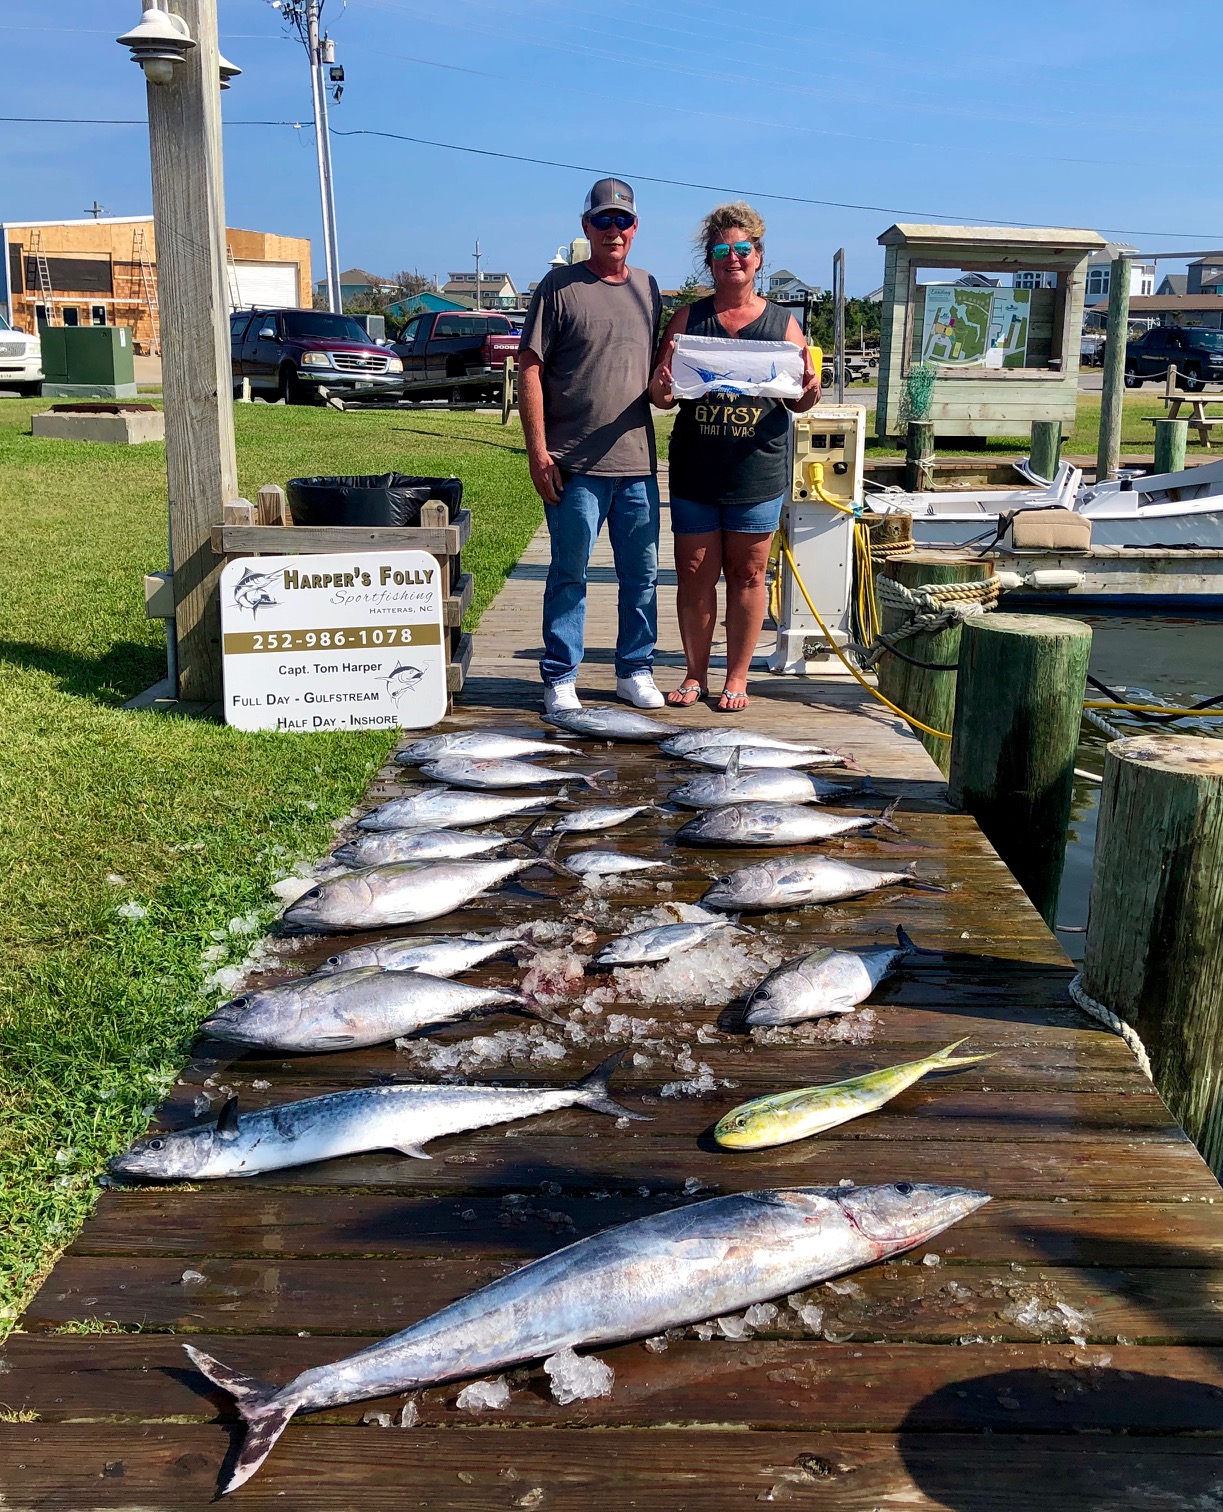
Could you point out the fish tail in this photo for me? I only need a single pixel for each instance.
(562, 796)
(945, 1058)
(594, 1092)
(539, 1011)
(910, 946)
(264, 1407)
(885, 819)
(914, 881)
(597, 779)
(528, 836)
(546, 855)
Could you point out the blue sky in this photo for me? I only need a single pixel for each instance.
(1042, 111)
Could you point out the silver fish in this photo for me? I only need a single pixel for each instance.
(401, 1117)
(597, 817)
(468, 772)
(601, 863)
(488, 745)
(435, 955)
(407, 892)
(745, 758)
(380, 847)
(792, 881)
(443, 808)
(657, 944)
(347, 1010)
(826, 982)
(663, 1271)
(610, 724)
(731, 735)
(766, 786)
(777, 824)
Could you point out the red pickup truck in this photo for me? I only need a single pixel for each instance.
(445, 345)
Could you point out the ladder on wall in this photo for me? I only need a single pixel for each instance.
(43, 277)
(148, 287)
(231, 279)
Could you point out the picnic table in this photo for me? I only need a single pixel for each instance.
(1196, 404)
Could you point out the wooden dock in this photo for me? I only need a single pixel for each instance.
(1062, 1348)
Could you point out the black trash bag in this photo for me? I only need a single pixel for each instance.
(388, 499)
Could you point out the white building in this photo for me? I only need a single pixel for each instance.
(785, 287)
(1100, 274)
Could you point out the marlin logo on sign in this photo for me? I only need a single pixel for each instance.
(251, 591)
(720, 380)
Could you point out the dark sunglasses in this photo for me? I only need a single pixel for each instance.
(722, 250)
(604, 222)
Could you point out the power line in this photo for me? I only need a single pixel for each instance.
(127, 121)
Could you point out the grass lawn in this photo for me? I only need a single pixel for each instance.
(136, 850)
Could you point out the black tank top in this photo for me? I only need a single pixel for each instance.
(726, 449)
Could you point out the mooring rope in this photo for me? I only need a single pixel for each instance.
(1103, 725)
(929, 607)
(1112, 1021)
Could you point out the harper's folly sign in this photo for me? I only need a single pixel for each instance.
(347, 641)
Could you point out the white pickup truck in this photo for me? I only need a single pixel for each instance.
(20, 360)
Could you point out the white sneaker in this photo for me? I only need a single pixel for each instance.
(558, 696)
(640, 691)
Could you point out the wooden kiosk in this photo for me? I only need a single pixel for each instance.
(1005, 355)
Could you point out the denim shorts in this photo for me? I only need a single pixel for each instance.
(690, 518)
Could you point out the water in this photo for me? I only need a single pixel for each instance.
(1177, 658)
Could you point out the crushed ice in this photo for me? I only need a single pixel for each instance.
(484, 1396)
(842, 1029)
(578, 1377)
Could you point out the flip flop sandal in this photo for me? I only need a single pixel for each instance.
(686, 695)
(732, 703)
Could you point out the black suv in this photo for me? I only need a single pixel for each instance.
(295, 352)
(1196, 355)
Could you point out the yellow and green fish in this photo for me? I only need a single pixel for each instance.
(783, 1117)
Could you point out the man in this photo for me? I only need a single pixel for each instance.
(584, 368)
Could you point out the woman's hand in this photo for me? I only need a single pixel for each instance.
(812, 387)
(661, 396)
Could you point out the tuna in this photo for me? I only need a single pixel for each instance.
(762, 786)
(702, 1260)
(349, 1009)
(601, 863)
(783, 1117)
(777, 824)
(826, 982)
(597, 817)
(443, 808)
(792, 882)
(657, 944)
(734, 759)
(435, 955)
(487, 745)
(731, 735)
(381, 847)
(403, 1118)
(610, 724)
(468, 772)
(406, 892)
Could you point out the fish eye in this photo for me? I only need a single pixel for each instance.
(240, 1002)
(156, 1144)
(741, 1122)
(905, 1188)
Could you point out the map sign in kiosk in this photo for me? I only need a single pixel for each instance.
(345, 641)
(1001, 325)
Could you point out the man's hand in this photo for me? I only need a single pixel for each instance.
(546, 476)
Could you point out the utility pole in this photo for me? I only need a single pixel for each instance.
(1112, 400)
(184, 109)
(322, 143)
(477, 272)
(838, 339)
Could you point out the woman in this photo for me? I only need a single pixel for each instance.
(728, 478)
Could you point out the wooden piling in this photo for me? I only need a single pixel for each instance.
(1045, 449)
(1171, 437)
(1019, 698)
(927, 695)
(1112, 396)
(1155, 939)
(919, 456)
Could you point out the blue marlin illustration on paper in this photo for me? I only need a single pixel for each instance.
(720, 380)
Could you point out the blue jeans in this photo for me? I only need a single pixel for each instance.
(630, 507)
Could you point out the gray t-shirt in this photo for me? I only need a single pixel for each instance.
(596, 342)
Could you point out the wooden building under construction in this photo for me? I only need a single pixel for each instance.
(103, 271)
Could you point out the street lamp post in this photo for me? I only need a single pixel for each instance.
(322, 143)
(182, 64)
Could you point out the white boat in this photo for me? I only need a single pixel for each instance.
(1182, 511)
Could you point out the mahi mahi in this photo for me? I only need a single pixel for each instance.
(435, 955)
(349, 1009)
(444, 808)
(826, 982)
(777, 824)
(783, 1117)
(663, 1271)
(487, 745)
(400, 1117)
(791, 882)
(469, 772)
(406, 892)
